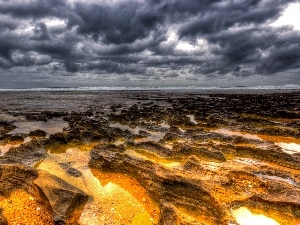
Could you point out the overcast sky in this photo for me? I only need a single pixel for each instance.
(47, 43)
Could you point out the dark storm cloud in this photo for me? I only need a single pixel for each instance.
(123, 23)
(33, 8)
(133, 37)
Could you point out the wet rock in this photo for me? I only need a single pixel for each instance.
(37, 133)
(62, 196)
(65, 166)
(171, 137)
(182, 149)
(26, 154)
(85, 128)
(50, 114)
(170, 215)
(71, 171)
(37, 116)
(143, 133)
(74, 172)
(110, 148)
(154, 148)
(270, 155)
(6, 127)
(16, 176)
(58, 137)
(16, 138)
(193, 163)
(160, 182)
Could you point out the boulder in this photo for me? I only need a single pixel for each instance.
(62, 196)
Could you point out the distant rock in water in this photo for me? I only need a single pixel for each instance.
(37, 133)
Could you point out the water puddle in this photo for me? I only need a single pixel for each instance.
(289, 148)
(50, 127)
(119, 141)
(275, 139)
(153, 158)
(245, 217)
(109, 203)
(192, 119)
(5, 148)
(247, 161)
(286, 180)
(10, 118)
(154, 135)
(135, 130)
(236, 133)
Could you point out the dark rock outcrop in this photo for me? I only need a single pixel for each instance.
(26, 154)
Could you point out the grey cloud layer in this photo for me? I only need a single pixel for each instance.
(133, 37)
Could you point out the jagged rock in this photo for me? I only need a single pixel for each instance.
(62, 196)
(58, 137)
(193, 164)
(170, 215)
(37, 133)
(26, 154)
(37, 116)
(15, 177)
(16, 138)
(160, 182)
(5, 127)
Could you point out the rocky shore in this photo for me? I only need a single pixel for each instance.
(166, 158)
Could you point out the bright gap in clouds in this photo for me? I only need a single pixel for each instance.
(185, 46)
(290, 16)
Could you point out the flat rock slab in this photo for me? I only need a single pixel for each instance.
(63, 197)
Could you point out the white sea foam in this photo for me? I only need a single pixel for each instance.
(285, 87)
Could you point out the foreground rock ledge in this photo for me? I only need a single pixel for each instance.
(61, 196)
(202, 190)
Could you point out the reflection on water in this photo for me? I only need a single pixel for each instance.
(236, 133)
(244, 217)
(289, 148)
(287, 180)
(5, 148)
(109, 203)
(154, 136)
(135, 130)
(50, 127)
(152, 157)
(192, 119)
(119, 141)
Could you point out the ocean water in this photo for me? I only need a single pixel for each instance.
(112, 88)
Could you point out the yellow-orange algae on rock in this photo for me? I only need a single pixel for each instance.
(22, 208)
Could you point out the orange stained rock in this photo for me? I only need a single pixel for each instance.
(279, 139)
(131, 185)
(277, 214)
(22, 208)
